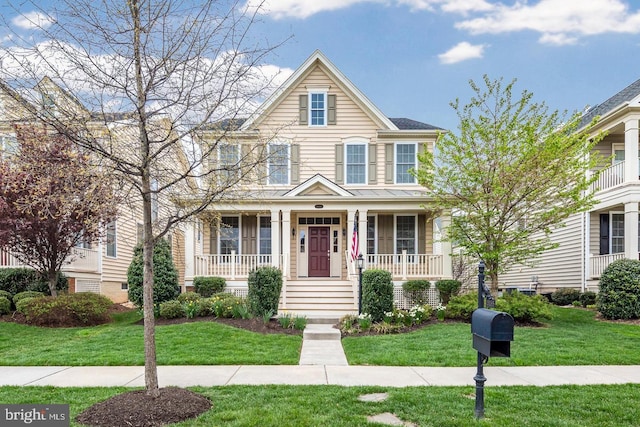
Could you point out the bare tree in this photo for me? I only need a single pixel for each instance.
(137, 82)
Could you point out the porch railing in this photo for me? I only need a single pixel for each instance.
(609, 177)
(231, 266)
(598, 263)
(401, 266)
(85, 260)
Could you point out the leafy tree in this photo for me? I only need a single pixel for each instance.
(51, 199)
(512, 174)
(165, 275)
(137, 83)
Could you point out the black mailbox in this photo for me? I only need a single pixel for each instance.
(492, 332)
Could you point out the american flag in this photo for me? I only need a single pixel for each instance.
(355, 250)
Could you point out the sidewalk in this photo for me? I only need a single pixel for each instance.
(387, 376)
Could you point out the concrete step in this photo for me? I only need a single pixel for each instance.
(328, 352)
(320, 332)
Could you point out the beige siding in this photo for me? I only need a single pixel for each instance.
(114, 291)
(560, 267)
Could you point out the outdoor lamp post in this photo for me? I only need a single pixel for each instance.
(360, 261)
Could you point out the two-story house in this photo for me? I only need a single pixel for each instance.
(94, 266)
(337, 182)
(609, 231)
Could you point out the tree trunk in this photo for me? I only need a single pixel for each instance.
(150, 363)
(52, 280)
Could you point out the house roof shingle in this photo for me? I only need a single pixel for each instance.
(407, 124)
(625, 95)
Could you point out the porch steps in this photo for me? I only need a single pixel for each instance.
(319, 299)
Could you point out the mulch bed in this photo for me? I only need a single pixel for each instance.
(137, 409)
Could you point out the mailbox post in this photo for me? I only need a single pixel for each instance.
(492, 333)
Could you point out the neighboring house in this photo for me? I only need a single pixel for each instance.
(335, 164)
(609, 231)
(100, 266)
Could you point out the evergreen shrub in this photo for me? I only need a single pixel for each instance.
(165, 275)
(208, 286)
(377, 294)
(265, 285)
(619, 296)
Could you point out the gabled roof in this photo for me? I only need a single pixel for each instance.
(318, 183)
(625, 96)
(318, 58)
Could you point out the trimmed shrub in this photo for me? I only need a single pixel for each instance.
(209, 286)
(461, 307)
(524, 308)
(565, 296)
(5, 305)
(205, 307)
(26, 294)
(22, 303)
(416, 291)
(189, 296)
(377, 293)
(619, 296)
(79, 309)
(265, 285)
(447, 289)
(8, 296)
(171, 309)
(165, 275)
(16, 280)
(587, 298)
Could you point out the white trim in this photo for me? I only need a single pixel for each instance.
(318, 179)
(375, 233)
(310, 110)
(115, 240)
(259, 240)
(351, 142)
(611, 214)
(395, 161)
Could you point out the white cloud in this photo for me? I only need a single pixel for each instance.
(302, 9)
(466, 6)
(558, 39)
(461, 52)
(32, 20)
(559, 21)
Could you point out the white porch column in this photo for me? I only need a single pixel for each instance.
(631, 149)
(631, 230)
(362, 232)
(275, 238)
(286, 242)
(445, 220)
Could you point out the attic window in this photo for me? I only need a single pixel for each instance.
(317, 108)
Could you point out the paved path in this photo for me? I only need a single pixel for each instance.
(387, 376)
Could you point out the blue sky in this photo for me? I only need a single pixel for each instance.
(412, 57)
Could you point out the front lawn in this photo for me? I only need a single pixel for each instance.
(121, 343)
(573, 337)
(283, 406)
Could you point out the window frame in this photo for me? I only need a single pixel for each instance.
(364, 164)
(223, 160)
(111, 241)
(617, 237)
(267, 218)
(222, 227)
(324, 108)
(396, 163)
(415, 233)
(270, 165)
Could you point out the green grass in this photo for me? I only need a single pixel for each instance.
(573, 337)
(121, 343)
(584, 406)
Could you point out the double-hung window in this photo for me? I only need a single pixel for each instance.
(112, 240)
(318, 110)
(265, 235)
(617, 233)
(229, 235)
(356, 163)
(406, 155)
(228, 155)
(406, 234)
(278, 164)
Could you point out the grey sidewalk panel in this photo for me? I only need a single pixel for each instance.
(25, 375)
(325, 352)
(389, 376)
(187, 376)
(279, 374)
(90, 376)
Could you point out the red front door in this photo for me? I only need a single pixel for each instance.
(319, 253)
